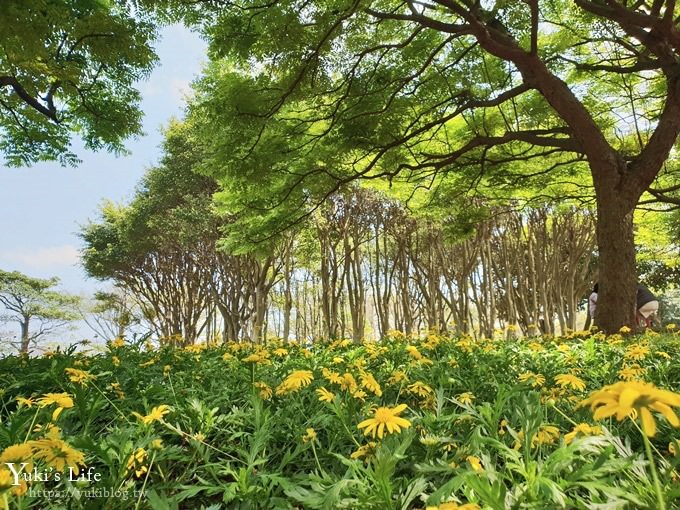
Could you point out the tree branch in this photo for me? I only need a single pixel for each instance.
(49, 112)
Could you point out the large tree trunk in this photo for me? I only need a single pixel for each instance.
(617, 276)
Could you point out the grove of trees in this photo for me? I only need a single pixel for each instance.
(360, 266)
(409, 164)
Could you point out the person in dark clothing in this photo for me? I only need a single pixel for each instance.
(647, 306)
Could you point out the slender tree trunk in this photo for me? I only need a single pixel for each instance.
(287, 294)
(24, 334)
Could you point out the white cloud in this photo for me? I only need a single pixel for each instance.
(41, 258)
(180, 90)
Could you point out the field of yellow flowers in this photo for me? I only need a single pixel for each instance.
(438, 422)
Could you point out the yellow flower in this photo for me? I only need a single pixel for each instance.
(397, 377)
(228, 356)
(280, 352)
(78, 376)
(118, 342)
(115, 361)
(265, 391)
(519, 440)
(465, 344)
(395, 334)
(475, 463)
(450, 505)
(535, 380)
(615, 339)
(337, 360)
(547, 434)
(6, 480)
(325, 395)
(309, 436)
(349, 383)
(466, 398)
(385, 417)
(260, 358)
(332, 377)
(195, 348)
(369, 382)
(564, 348)
(536, 347)
(296, 380)
(17, 454)
(156, 414)
(671, 327)
(148, 363)
(632, 372)
(414, 352)
(634, 398)
(136, 463)
(637, 352)
(582, 429)
(420, 388)
(28, 402)
(624, 329)
(57, 453)
(566, 380)
(502, 426)
(366, 450)
(119, 392)
(359, 394)
(62, 401)
(663, 354)
(156, 444)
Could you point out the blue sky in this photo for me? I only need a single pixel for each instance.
(43, 206)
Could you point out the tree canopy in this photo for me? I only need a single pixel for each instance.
(34, 301)
(70, 67)
(303, 97)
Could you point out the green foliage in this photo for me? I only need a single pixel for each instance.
(299, 100)
(228, 444)
(28, 300)
(70, 67)
(170, 211)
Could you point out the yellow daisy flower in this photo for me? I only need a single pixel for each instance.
(265, 391)
(582, 429)
(17, 454)
(325, 395)
(466, 398)
(475, 462)
(637, 352)
(309, 436)
(295, 380)
(566, 380)
(420, 388)
(156, 414)
(369, 382)
(634, 399)
(79, 376)
(57, 454)
(450, 505)
(385, 418)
